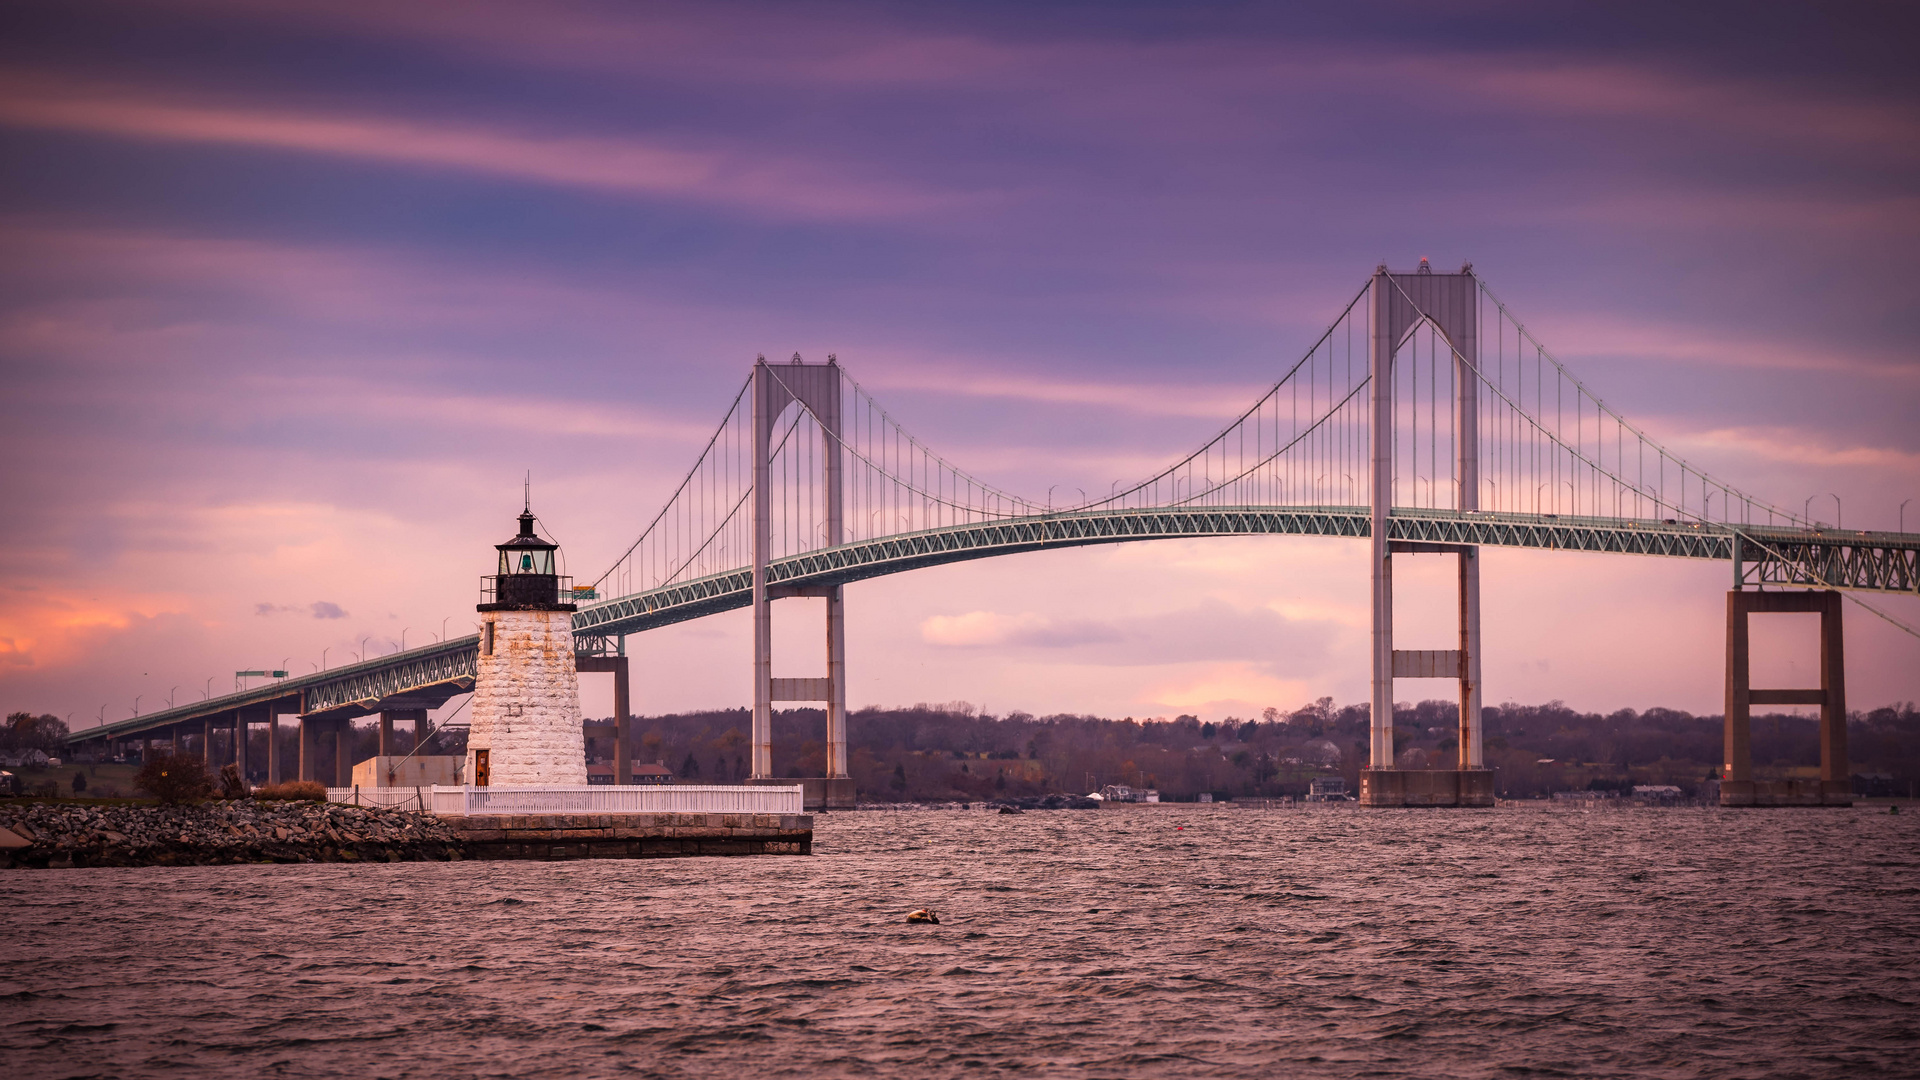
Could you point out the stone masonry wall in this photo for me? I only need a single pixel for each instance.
(526, 701)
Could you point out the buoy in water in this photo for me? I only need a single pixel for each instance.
(924, 915)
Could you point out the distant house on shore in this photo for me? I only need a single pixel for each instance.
(1658, 793)
(1329, 789)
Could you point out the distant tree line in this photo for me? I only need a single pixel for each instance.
(954, 751)
(25, 731)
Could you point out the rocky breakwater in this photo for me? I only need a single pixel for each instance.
(242, 831)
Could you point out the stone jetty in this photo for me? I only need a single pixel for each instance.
(242, 831)
(65, 835)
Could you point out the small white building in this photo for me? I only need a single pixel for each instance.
(404, 771)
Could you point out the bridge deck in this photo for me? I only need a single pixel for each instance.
(426, 677)
(1882, 562)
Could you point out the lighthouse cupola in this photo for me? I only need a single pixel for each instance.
(528, 577)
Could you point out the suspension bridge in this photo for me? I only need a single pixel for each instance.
(1426, 419)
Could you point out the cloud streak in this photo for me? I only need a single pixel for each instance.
(621, 165)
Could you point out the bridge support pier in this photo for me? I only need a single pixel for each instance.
(1400, 303)
(343, 754)
(622, 722)
(1737, 785)
(309, 749)
(816, 388)
(273, 744)
(242, 729)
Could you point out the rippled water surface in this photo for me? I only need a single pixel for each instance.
(1167, 941)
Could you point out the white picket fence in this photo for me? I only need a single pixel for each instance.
(582, 799)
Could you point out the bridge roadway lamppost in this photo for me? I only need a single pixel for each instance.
(1838, 522)
(1903, 514)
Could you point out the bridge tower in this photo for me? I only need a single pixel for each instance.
(526, 691)
(1399, 305)
(816, 388)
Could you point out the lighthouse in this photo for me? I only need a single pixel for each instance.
(526, 690)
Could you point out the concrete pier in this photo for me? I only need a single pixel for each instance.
(1426, 787)
(631, 836)
(820, 792)
(1737, 784)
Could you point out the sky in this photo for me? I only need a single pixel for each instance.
(295, 294)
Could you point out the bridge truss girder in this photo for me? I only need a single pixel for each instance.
(1875, 562)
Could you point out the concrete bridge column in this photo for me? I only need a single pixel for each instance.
(836, 678)
(1464, 336)
(385, 748)
(343, 754)
(309, 749)
(622, 723)
(242, 727)
(273, 744)
(764, 414)
(1380, 348)
(419, 730)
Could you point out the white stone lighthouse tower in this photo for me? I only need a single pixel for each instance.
(526, 692)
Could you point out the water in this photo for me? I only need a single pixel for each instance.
(1164, 941)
